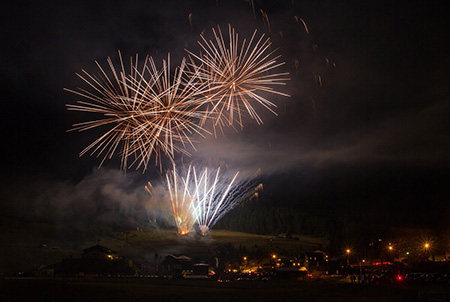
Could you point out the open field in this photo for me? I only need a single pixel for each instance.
(22, 248)
(134, 244)
(15, 289)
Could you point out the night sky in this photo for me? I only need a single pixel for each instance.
(376, 130)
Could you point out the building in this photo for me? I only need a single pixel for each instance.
(175, 266)
(99, 252)
(95, 261)
(182, 267)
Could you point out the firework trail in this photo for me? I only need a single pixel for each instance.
(298, 19)
(214, 195)
(252, 4)
(265, 18)
(181, 200)
(150, 112)
(202, 198)
(234, 76)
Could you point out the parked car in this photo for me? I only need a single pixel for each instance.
(444, 279)
(415, 278)
(431, 278)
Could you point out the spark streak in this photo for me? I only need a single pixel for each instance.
(214, 195)
(149, 111)
(204, 197)
(235, 76)
(181, 200)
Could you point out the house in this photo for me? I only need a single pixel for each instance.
(99, 252)
(95, 261)
(316, 261)
(199, 271)
(176, 266)
(182, 267)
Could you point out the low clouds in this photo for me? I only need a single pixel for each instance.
(417, 136)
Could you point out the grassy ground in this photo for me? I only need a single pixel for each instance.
(135, 244)
(164, 290)
(21, 249)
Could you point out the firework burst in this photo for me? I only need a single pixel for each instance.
(235, 76)
(149, 111)
(172, 112)
(111, 97)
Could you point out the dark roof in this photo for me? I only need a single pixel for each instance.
(99, 248)
(179, 258)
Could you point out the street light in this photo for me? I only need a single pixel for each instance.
(391, 252)
(427, 249)
(348, 256)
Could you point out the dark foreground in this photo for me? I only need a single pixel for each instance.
(95, 289)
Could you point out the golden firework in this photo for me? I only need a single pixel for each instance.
(234, 75)
(149, 111)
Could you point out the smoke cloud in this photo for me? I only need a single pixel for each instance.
(105, 200)
(416, 136)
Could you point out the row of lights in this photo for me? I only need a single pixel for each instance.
(426, 246)
(348, 251)
(274, 256)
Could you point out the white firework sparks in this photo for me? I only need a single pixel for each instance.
(213, 195)
(181, 201)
